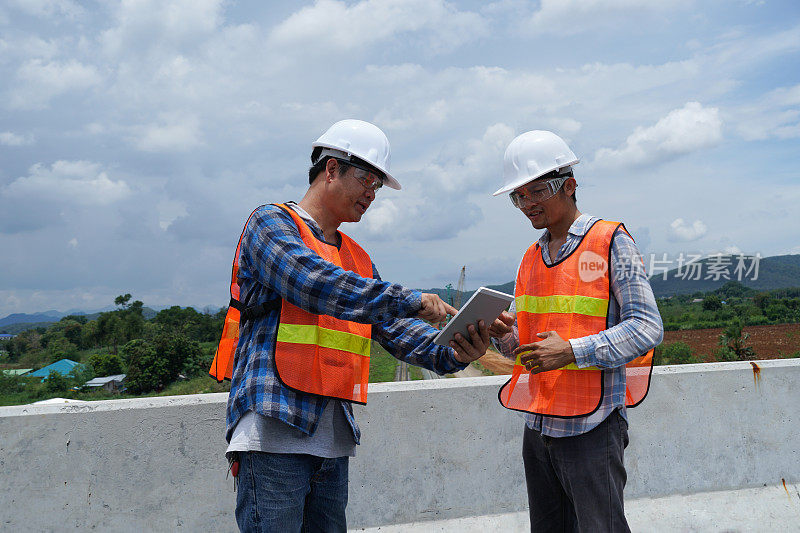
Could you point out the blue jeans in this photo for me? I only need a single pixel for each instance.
(291, 493)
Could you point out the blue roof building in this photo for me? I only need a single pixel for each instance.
(6, 336)
(63, 367)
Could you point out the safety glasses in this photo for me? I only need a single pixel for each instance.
(536, 191)
(368, 178)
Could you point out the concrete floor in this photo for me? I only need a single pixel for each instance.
(770, 508)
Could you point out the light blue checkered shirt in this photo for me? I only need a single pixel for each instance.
(635, 328)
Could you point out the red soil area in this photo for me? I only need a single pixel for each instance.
(768, 342)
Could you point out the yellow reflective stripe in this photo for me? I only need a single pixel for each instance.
(327, 338)
(557, 303)
(571, 366)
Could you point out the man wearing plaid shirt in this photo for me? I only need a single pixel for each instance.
(293, 447)
(574, 466)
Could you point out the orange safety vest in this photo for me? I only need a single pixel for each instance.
(570, 297)
(316, 354)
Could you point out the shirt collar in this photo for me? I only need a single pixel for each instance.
(578, 229)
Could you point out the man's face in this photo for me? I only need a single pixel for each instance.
(351, 197)
(544, 201)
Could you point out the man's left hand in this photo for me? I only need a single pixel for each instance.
(550, 353)
(474, 348)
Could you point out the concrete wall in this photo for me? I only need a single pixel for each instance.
(431, 450)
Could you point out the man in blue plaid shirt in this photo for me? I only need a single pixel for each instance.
(293, 447)
(574, 466)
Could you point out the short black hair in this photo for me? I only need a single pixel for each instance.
(319, 166)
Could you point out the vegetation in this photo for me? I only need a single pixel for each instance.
(171, 351)
(733, 302)
(168, 354)
(677, 353)
(175, 346)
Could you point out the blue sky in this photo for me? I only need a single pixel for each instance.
(136, 136)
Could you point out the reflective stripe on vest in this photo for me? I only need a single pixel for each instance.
(570, 297)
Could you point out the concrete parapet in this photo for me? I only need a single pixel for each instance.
(432, 450)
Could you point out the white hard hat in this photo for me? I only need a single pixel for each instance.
(532, 155)
(361, 139)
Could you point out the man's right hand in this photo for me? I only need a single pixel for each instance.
(503, 325)
(434, 309)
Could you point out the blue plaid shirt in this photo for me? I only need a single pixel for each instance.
(635, 328)
(275, 263)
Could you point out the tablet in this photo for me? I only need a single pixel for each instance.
(485, 304)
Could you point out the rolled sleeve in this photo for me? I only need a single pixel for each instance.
(583, 348)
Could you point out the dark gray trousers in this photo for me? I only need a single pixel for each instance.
(576, 483)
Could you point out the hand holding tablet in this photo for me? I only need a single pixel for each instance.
(485, 304)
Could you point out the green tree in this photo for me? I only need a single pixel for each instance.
(676, 353)
(110, 330)
(197, 362)
(147, 370)
(778, 312)
(58, 347)
(733, 343)
(711, 302)
(176, 350)
(80, 374)
(761, 300)
(90, 334)
(10, 384)
(733, 289)
(106, 364)
(56, 382)
(122, 300)
(186, 321)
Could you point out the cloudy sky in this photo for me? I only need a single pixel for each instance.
(136, 136)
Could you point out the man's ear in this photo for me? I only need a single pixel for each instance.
(330, 169)
(569, 186)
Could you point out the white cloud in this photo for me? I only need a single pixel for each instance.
(14, 48)
(179, 103)
(169, 211)
(142, 25)
(38, 81)
(569, 17)
(72, 182)
(331, 25)
(732, 250)
(174, 134)
(775, 116)
(48, 8)
(9, 138)
(680, 231)
(475, 165)
(682, 131)
(382, 218)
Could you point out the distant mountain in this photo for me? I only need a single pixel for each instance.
(16, 318)
(19, 327)
(776, 272)
(25, 321)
